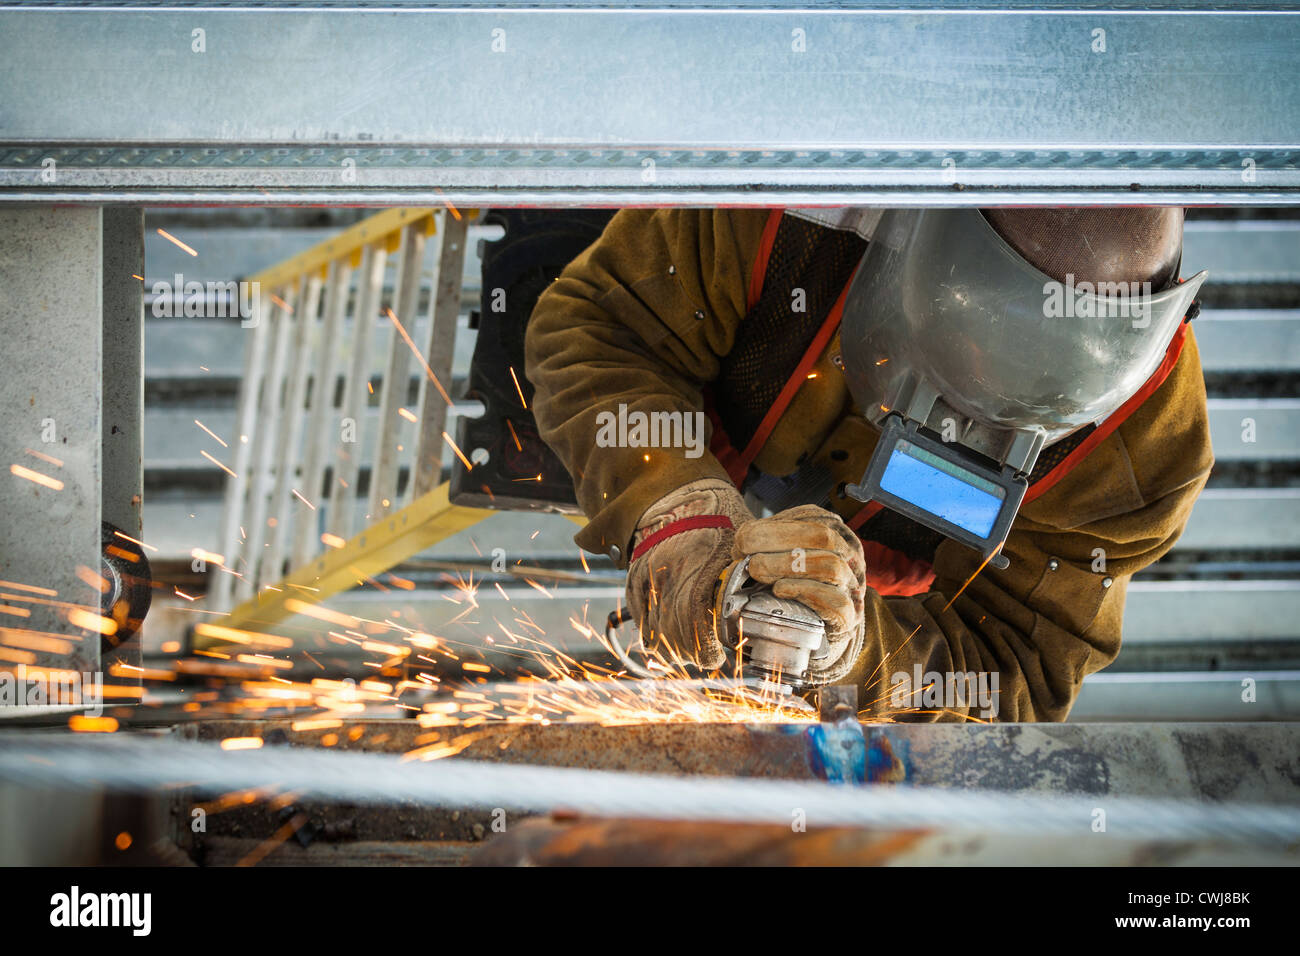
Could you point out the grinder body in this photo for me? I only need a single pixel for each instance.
(773, 638)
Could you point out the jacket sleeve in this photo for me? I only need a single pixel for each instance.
(1054, 616)
(640, 320)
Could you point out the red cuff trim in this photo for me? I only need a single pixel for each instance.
(677, 527)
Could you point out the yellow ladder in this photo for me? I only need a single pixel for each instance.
(302, 416)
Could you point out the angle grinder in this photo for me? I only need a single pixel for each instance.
(772, 638)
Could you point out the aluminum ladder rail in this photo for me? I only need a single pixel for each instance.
(301, 416)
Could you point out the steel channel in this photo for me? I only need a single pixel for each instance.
(883, 103)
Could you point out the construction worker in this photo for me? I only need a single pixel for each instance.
(1043, 445)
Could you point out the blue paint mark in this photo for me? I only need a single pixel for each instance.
(882, 754)
(838, 752)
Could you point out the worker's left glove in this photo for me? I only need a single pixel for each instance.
(807, 554)
(681, 546)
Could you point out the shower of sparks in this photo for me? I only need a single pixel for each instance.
(170, 238)
(490, 665)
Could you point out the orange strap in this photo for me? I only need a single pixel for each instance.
(720, 443)
(892, 573)
(867, 511)
(792, 385)
(764, 256)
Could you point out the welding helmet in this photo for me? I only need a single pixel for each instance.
(974, 339)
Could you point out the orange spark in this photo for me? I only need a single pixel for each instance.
(48, 592)
(48, 459)
(93, 579)
(510, 426)
(37, 477)
(91, 725)
(517, 388)
(170, 238)
(968, 581)
(127, 537)
(218, 464)
(428, 371)
(210, 432)
(91, 621)
(452, 444)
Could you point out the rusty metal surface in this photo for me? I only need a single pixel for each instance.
(780, 751)
(224, 851)
(1215, 762)
(551, 842)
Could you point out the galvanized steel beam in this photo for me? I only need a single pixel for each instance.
(941, 104)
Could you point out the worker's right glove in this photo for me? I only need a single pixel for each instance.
(807, 554)
(681, 546)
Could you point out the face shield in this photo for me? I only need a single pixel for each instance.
(970, 360)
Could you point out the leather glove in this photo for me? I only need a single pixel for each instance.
(807, 554)
(681, 546)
